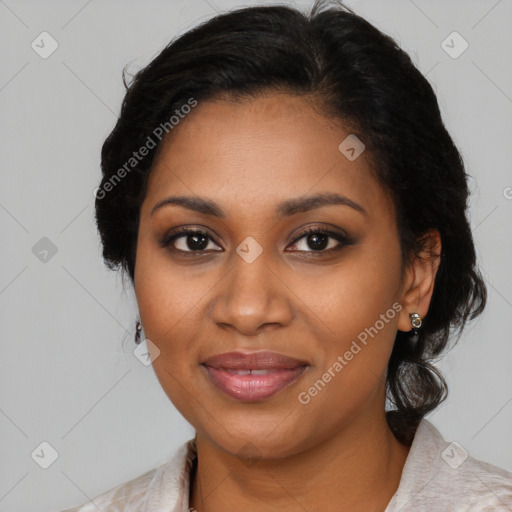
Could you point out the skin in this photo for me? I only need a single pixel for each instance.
(337, 450)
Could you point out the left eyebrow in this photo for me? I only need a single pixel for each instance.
(306, 203)
(284, 209)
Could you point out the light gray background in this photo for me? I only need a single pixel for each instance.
(67, 373)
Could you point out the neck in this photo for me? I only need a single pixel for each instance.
(358, 469)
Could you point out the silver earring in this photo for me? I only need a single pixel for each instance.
(138, 329)
(415, 322)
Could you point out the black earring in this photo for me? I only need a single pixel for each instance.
(138, 329)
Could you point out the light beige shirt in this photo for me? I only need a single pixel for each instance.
(437, 476)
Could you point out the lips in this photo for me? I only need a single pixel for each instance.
(253, 377)
(253, 361)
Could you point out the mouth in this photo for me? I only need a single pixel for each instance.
(253, 377)
(253, 385)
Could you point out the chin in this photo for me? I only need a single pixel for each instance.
(243, 438)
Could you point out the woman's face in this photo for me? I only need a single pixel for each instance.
(256, 282)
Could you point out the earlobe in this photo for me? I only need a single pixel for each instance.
(419, 280)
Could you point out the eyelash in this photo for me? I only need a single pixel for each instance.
(342, 239)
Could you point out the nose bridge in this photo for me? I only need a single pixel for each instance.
(251, 295)
(251, 280)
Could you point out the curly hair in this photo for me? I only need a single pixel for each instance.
(355, 74)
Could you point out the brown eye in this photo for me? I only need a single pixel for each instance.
(320, 240)
(190, 240)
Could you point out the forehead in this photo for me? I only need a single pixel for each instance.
(260, 152)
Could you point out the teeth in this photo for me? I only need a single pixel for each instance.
(248, 372)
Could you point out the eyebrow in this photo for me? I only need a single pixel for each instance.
(284, 209)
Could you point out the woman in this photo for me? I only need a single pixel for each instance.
(291, 211)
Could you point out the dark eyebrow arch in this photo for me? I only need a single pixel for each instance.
(285, 209)
(306, 203)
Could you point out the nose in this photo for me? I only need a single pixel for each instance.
(252, 298)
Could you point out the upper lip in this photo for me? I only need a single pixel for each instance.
(253, 361)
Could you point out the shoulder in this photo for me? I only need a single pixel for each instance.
(441, 475)
(132, 493)
(165, 482)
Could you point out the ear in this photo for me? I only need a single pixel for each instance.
(418, 280)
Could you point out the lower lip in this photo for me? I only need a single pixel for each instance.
(251, 388)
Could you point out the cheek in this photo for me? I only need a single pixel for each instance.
(351, 296)
(167, 296)
(357, 307)
(166, 304)
(171, 302)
